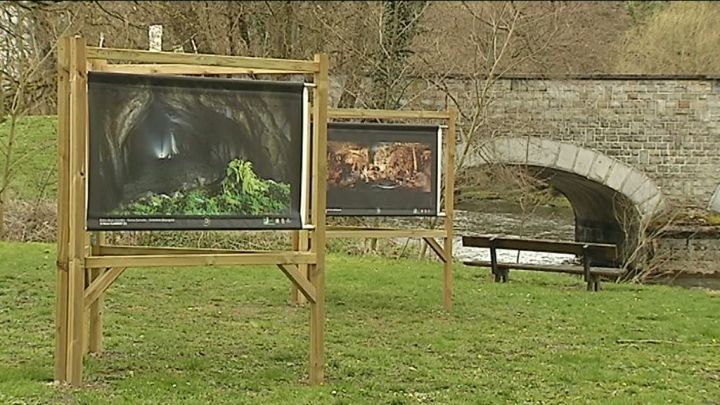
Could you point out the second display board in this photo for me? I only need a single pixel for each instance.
(383, 169)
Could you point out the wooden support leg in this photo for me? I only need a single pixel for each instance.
(61, 325)
(96, 308)
(505, 274)
(444, 253)
(448, 275)
(590, 279)
(86, 316)
(95, 344)
(317, 325)
(76, 207)
(76, 316)
(493, 262)
(63, 227)
(300, 242)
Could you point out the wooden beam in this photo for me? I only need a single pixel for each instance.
(385, 114)
(96, 308)
(131, 55)
(96, 316)
(215, 259)
(436, 248)
(385, 233)
(77, 237)
(539, 245)
(123, 250)
(551, 268)
(100, 284)
(183, 69)
(449, 208)
(300, 280)
(63, 200)
(300, 242)
(316, 271)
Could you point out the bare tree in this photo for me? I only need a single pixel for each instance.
(25, 56)
(497, 39)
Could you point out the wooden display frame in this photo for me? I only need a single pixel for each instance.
(444, 250)
(87, 265)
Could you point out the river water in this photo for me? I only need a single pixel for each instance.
(500, 217)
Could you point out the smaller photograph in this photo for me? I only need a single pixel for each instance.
(384, 165)
(382, 169)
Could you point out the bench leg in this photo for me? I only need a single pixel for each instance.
(593, 283)
(498, 277)
(505, 275)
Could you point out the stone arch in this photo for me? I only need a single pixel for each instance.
(596, 185)
(714, 204)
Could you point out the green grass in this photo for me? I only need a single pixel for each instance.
(36, 146)
(226, 336)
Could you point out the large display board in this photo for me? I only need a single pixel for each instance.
(383, 169)
(174, 152)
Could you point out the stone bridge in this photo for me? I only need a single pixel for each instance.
(620, 148)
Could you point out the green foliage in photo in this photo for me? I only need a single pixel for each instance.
(242, 191)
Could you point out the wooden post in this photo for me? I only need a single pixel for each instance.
(294, 245)
(316, 271)
(301, 239)
(493, 260)
(62, 211)
(586, 269)
(76, 271)
(300, 242)
(449, 208)
(96, 308)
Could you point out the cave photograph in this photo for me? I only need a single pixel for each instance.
(175, 152)
(382, 169)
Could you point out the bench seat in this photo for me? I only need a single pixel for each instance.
(552, 268)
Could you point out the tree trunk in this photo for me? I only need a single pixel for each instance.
(2, 216)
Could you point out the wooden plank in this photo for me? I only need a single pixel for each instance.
(215, 259)
(539, 245)
(435, 246)
(95, 319)
(494, 265)
(385, 233)
(295, 294)
(99, 285)
(386, 114)
(132, 55)
(301, 242)
(449, 208)
(124, 250)
(183, 69)
(77, 237)
(299, 280)
(61, 298)
(551, 268)
(316, 271)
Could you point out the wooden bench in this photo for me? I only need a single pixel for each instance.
(586, 251)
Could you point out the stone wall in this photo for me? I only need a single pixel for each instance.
(699, 255)
(667, 128)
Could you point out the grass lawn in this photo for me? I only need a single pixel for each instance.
(226, 335)
(35, 157)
